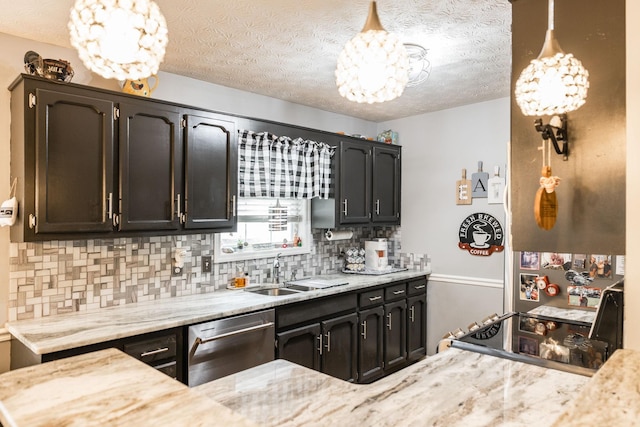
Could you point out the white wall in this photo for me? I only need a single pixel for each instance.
(632, 270)
(435, 147)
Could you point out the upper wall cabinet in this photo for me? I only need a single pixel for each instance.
(95, 163)
(367, 188)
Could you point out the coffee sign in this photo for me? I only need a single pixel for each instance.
(481, 234)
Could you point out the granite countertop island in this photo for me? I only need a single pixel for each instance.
(452, 388)
(61, 332)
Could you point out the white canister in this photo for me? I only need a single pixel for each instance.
(376, 254)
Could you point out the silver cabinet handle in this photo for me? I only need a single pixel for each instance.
(364, 329)
(420, 287)
(152, 352)
(378, 207)
(319, 338)
(328, 343)
(376, 298)
(412, 310)
(179, 208)
(110, 206)
(199, 340)
(389, 321)
(345, 207)
(233, 206)
(400, 292)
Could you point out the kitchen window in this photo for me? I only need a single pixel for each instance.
(266, 227)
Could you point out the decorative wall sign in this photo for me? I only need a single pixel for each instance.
(481, 234)
(480, 181)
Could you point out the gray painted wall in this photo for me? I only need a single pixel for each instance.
(435, 147)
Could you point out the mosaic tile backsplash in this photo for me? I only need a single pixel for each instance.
(48, 278)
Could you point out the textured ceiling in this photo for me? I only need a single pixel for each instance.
(287, 49)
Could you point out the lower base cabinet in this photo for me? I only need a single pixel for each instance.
(329, 346)
(392, 328)
(162, 350)
(320, 335)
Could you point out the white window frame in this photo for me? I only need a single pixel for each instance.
(304, 232)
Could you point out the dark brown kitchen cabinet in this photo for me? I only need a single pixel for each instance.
(329, 346)
(367, 190)
(95, 163)
(385, 185)
(210, 172)
(392, 328)
(371, 341)
(395, 336)
(320, 334)
(416, 327)
(162, 350)
(148, 168)
(70, 151)
(355, 183)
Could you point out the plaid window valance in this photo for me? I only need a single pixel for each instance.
(278, 166)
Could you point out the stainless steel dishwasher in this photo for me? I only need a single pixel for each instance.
(223, 347)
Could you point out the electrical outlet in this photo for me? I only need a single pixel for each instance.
(206, 264)
(176, 271)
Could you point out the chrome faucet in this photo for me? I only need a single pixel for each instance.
(276, 269)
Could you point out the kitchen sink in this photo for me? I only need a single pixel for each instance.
(300, 288)
(274, 292)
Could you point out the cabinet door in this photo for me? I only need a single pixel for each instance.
(340, 347)
(395, 340)
(371, 340)
(210, 172)
(149, 144)
(355, 183)
(386, 185)
(301, 346)
(74, 163)
(417, 327)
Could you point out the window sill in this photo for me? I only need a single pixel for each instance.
(268, 253)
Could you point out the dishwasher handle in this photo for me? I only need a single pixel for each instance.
(199, 340)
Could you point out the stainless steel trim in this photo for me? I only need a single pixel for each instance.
(199, 340)
(152, 352)
(110, 206)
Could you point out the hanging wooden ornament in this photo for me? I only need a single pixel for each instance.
(545, 208)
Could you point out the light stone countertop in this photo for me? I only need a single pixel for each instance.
(61, 332)
(587, 316)
(611, 397)
(452, 388)
(104, 388)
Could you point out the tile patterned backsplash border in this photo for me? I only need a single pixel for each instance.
(55, 277)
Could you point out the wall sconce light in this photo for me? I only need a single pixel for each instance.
(556, 131)
(553, 83)
(373, 66)
(119, 39)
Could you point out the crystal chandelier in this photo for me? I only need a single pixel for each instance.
(553, 83)
(373, 66)
(119, 39)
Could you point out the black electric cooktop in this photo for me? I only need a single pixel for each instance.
(538, 340)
